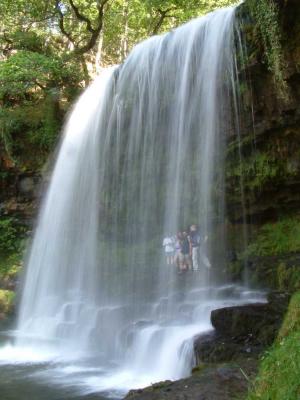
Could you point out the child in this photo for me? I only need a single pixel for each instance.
(168, 244)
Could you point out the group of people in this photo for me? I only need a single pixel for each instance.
(186, 250)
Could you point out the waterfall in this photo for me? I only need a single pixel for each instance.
(62, 265)
(142, 156)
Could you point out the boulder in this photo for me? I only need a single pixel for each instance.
(215, 348)
(261, 321)
(241, 320)
(242, 331)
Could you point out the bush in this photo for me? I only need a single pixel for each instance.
(277, 238)
(279, 372)
(11, 236)
(6, 301)
(266, 15)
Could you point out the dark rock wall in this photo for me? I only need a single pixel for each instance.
(263, 161)
(269, 146)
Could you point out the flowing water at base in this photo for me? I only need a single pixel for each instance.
(41, 374)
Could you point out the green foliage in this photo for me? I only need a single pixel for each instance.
(32, 88)
(280, 366)
(29, 132)
(273, 256)
(291, 322)
(49, 51)
(12, 244)
(128, 22)
(288, 278)
(10, 266)
(274, 162)
(11, 236)
(277, 238)
(28, 73)
(266, 14)
(6, 301)
(257, 169)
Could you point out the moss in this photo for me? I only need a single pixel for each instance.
(199, 368)
(267, 23)
(280, 366)
(292, 320)
(288, 277)
(258, 169)
(272, 256)
(161, 385)
(6, 302)
(262, 171)
(10, 266)
(277, 238)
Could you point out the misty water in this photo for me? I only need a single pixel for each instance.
(142, 156)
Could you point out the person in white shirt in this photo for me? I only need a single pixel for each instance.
(169, 246)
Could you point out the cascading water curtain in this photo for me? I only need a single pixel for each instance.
(142, 157)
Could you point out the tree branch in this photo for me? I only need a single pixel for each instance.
(96, 31)
(163, 15)
(82, 17)
(61, 23)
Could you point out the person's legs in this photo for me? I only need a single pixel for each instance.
(187, 261)
(204, 260)
(176, 260)
(173, 258)
(195, 257)
(181, 262)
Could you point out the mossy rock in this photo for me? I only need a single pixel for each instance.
(9, 271)
(199, 368)
(292, 320)
(288, 277)
(7, 298)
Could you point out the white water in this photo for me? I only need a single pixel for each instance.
(142, 155)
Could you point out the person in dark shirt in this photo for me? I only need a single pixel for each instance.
(185, 263)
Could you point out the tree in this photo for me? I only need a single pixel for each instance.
(50, 49)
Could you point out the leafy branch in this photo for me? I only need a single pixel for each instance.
(266, 14)
(94, 31)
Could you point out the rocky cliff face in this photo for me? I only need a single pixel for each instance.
(269, 146)
(263, 162)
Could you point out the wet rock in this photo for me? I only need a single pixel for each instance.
(258, 321)
(19, 197)
(269, 145)
(27, 186)
(212, 382)
(241, 320)
(242, 330)
(217, 348)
